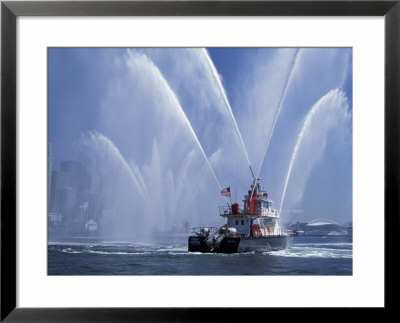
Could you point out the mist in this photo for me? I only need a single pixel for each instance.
(163, 130)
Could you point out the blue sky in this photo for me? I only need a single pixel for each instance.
(169, 117)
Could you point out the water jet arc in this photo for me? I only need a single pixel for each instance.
(218, 80)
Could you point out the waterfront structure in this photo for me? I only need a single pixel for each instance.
(73, 202)
(49, 171)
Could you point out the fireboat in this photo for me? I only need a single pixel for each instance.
(255, 227)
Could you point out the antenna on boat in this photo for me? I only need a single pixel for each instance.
(255, 179)
(252, 174)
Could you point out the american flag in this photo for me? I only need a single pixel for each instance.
(226, 192)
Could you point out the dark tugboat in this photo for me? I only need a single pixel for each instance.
(209, 239)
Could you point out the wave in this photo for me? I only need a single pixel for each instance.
(305, 250)
(118, 250)
(166, 250)
(313, 252)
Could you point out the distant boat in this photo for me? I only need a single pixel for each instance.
(91, 225)
(337, 233)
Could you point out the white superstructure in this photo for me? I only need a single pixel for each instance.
(257, 218)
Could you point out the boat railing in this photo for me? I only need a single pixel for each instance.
(260, 211)
(266, 233)
(204, 230)
(228, 210)
(225, 210)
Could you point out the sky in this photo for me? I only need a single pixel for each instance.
(166, 129)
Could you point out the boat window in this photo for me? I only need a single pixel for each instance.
(242, 222)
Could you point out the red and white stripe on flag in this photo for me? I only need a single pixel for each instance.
(226, 192)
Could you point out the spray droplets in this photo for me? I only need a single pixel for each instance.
(217, 79)
(327, 113)
(168, 138)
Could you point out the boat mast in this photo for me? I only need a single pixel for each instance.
(252, 174)
(254, 181)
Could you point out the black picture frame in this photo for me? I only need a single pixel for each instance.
(11, 10)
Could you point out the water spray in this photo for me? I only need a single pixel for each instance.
(288, 79)
(186, 120)
(252, 173)
(99, 138)
(218, 80)
(307, 122)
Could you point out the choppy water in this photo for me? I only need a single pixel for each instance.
(168, 255)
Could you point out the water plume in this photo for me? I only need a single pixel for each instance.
(288, 80)
(109, 153)
(218, 80)
(332, 109)
(183, 116)
(124, 198)
(154, 118)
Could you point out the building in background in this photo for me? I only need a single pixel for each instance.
(73, 203)
(321, 227)
(49, 171)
